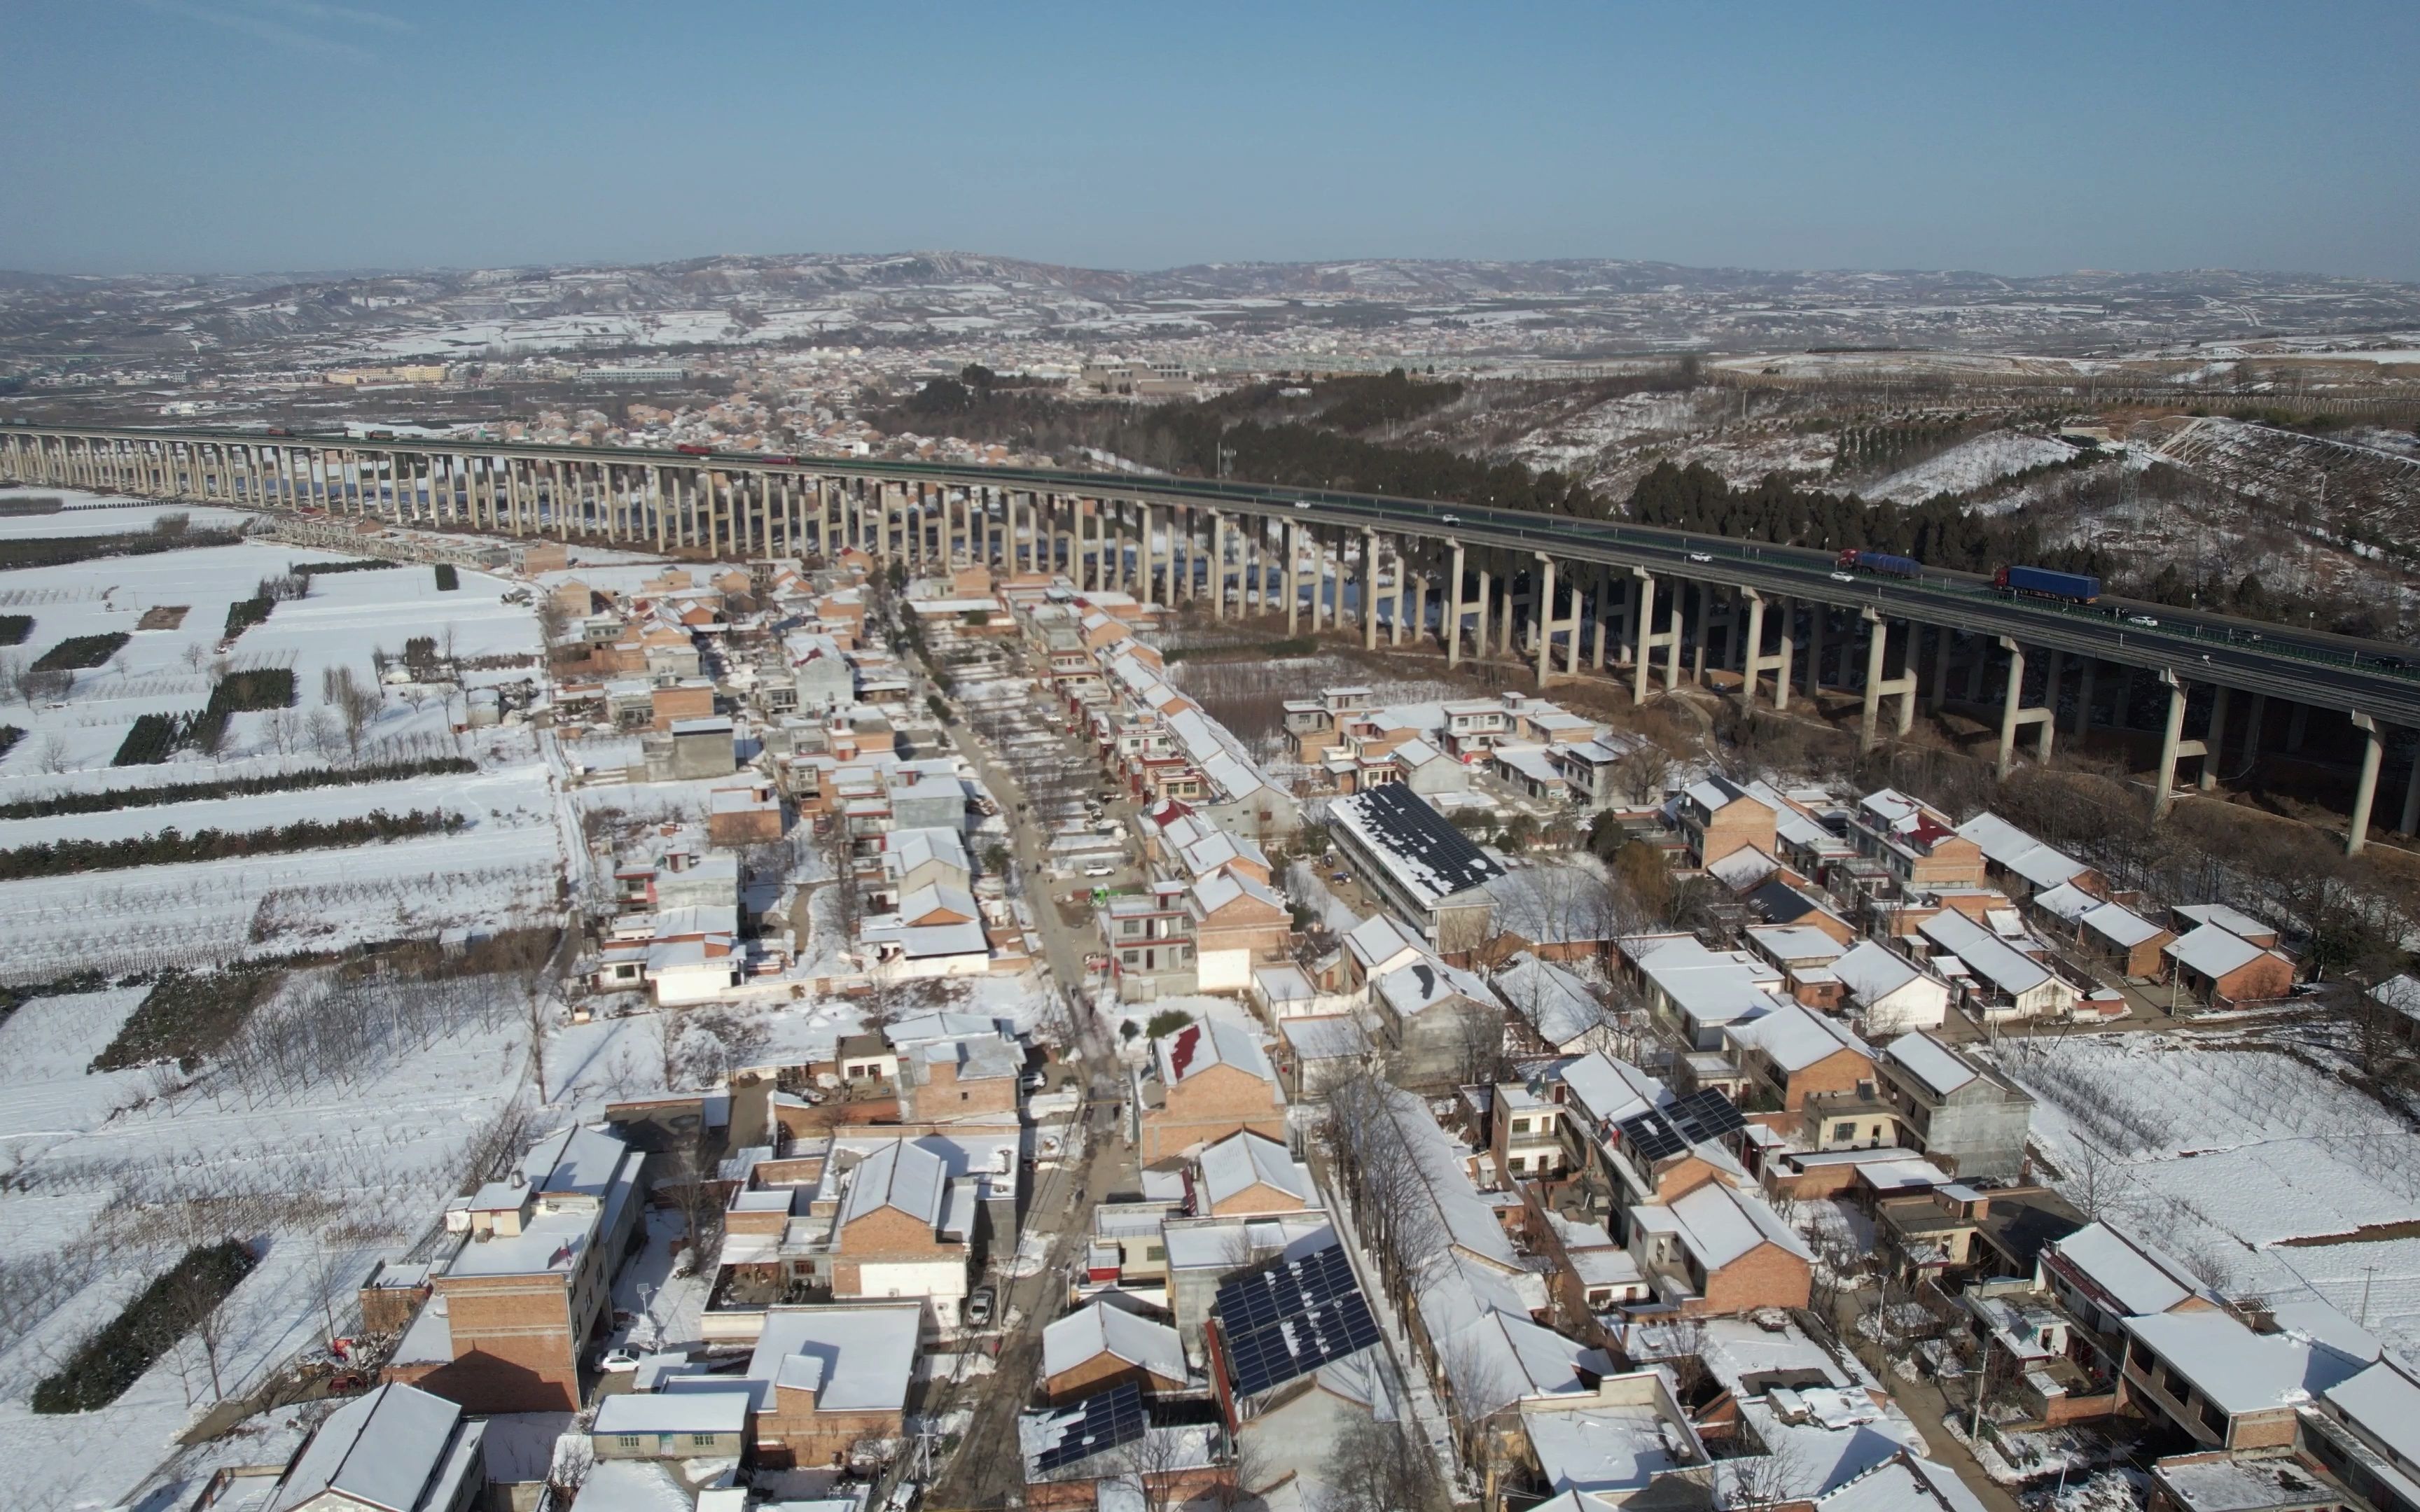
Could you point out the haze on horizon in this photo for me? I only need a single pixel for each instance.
(253, 135)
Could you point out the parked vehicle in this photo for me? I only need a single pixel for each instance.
(618, 1361)
(1881, 561)
(2040, 582)
(1100, 869)
(980, 1305)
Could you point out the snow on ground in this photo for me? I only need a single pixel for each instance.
(347, 617)
(102, 514)
(2224, 1152)
(1969, 465)
(348, 1169)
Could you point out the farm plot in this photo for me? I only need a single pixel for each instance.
(2236, 1157)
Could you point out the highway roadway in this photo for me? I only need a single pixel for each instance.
(2297, 665)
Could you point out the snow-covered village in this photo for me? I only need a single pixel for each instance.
(1214, 867)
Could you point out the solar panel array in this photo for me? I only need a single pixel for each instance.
(1705, 1115)
(1096, 1424)
(1291, 1319)
(1649, 1135)
(1414, 830)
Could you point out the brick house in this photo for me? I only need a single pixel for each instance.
(1246, 1175)
(2223, 1384)
(2223, 968)
(1794, 1053)
(1957, 1113)
(822, 1379)
(1717, 816)
(747, 813)
(1714, 1251)
(1236, 921)
(1101, 1345)
(899, 1234)
(530, 1287)
(1204, 1082)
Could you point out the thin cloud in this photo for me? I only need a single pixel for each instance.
(251, 22)
(313, 11)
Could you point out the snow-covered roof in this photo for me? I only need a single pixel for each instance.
(1985, 953)
(1211, 1042)
(2213, 951)
(2119, 925)
(1796, 1038)
(1377, 940)
(2385, 1402)
(1934, 1064)
(1793, 943)
(1099, 1328)
(861, 1358)
(2011, 849)
(2233, 921)
(1556, 1003)
(1244, 1160)
(680, 1412)
(898, 1174)
(2237, 1369)
(1611, 1446)
(1221, 888)
(1327, 1037)
(1710, 987)
(1413, 989)
(1611, 1089)
(1903, 1483)
(1427, 855)
(2138, 1282)
(394, 1449)
(1720, 1224)
(1742, 869)
(1874, 971)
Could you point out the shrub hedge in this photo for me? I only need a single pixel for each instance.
(112, 799)
(51, 858)
(78, 652)
(117, 1353)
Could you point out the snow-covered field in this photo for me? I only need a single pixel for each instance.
(1969, 465)
(2227, 1153)
(110, 1175)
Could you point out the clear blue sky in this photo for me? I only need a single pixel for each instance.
(285, 134)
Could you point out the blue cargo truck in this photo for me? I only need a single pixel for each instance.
(2040, 582)
(1881, 561)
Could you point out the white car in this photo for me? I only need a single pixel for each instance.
(1100, 869)
(2144, 620)
(1700, 556)
(618, 1361)
(1302, 503)
(1449, 519)
(1844, 577)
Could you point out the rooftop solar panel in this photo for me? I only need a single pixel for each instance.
(1649, 1135)
(1705, 1115)
(1096, 1424)
(1288, 1319)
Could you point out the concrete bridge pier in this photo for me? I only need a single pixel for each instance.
(2015, 717)
(1757, 660)
(1878, 688)
(2174, 748)
(2364, 792)
(1451, 627)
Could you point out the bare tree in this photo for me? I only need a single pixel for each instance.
(356, 704)
(52, 754)
(1156, 1463)
(1381, 1466)
(574, 1458)
(199, 1305)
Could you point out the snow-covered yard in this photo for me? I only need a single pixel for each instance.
(2265, 1174)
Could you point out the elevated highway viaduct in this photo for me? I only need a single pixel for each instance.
(1560, 594)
